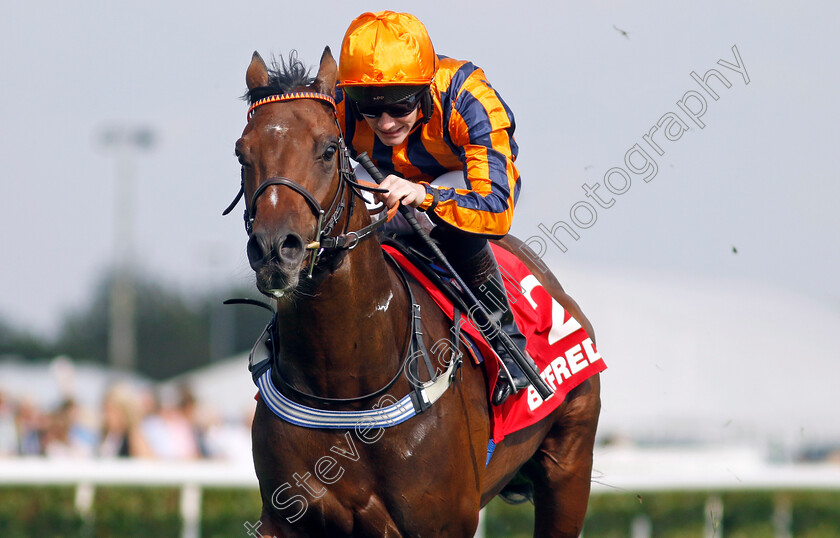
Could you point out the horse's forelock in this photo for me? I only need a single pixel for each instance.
(283, 77)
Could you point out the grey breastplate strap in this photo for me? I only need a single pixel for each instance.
(263, 362)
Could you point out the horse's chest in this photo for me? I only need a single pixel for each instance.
(373, 482)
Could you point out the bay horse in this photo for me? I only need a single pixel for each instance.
(343, 323)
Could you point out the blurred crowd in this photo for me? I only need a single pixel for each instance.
(130, 423)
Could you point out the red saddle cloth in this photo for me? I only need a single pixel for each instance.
(564, 354)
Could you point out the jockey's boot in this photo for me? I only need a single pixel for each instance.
(485, 281)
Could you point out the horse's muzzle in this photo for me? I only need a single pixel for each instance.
(276, 258)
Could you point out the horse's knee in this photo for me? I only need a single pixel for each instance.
(265, 527)
(468, 520)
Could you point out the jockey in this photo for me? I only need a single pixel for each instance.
(420, 116)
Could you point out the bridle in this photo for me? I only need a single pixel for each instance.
(328, 219)
(423, 395)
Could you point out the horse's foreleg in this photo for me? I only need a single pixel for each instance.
(562, 481)
(265, 528)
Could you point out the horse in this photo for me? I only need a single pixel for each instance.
(344, 324)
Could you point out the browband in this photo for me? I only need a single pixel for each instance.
(289, 96)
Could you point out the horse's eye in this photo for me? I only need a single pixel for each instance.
(329, 153)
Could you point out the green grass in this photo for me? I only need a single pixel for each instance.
(136, 511)
(682, 515)
(816, 514)
(225, 511)
(142, 512)
(34, 511)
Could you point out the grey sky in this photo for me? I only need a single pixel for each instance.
(760, 176)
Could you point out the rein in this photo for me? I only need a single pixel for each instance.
(327, 220)
(416, 349)
(421, 396)
(265, 372)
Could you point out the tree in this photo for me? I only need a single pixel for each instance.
(174, 333)
(23, 344)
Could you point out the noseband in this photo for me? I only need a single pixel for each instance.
(346, 240)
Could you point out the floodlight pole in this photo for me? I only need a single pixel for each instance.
(125, 142)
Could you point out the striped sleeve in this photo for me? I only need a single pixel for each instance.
(480, 126)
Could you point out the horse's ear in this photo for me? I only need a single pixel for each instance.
(257, 74)
(327, 73)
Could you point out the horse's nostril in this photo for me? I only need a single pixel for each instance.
(286, 249)
(257, 249)
(291, 246)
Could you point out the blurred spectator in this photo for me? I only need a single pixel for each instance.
(230, 441)
(31, 423)
(66, 435)
(8, 428)
(122, 435)
(133, 422)
(198, 419)
(171, 434)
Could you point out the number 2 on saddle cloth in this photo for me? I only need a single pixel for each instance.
(564, 353)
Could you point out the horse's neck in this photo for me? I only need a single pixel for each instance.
(347, 338)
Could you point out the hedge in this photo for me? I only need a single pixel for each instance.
(141, 512)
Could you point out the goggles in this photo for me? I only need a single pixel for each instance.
(400, 109)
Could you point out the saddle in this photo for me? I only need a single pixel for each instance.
(564, 354)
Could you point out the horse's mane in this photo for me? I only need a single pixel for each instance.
(283, 78)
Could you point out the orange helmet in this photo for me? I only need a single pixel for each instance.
(386, 49)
